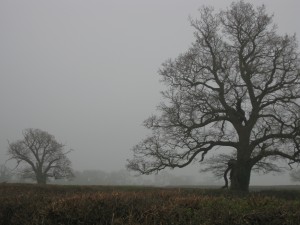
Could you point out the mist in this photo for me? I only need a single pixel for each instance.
(86, 72)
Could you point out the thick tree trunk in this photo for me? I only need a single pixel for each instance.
(41, 179)
(240, 177)
(241, 168)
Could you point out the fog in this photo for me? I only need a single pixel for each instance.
(86, 72)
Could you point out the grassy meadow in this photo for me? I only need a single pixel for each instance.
(29, 204)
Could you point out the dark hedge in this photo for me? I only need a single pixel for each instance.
(33, 204)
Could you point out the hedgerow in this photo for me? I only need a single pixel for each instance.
(33, 204)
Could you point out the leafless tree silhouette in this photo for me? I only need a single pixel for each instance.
(237, 87)
(39, 156)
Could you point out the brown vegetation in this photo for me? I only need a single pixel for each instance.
(34, 204)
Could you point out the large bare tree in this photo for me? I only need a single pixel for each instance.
(39, 156)
(236, 89)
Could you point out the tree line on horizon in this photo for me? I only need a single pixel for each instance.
(92, 177)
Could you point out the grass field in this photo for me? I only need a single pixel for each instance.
(26, 204)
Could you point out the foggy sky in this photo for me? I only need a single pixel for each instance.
(86, 70)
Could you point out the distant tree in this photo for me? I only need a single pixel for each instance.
(165, 178)
(237, 87)
(40, 157)
(5, 174)
(120, 177)
(100, 177)
(295, 175)
(96, 177)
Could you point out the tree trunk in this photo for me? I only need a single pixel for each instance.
(41, 179)
(240, 177)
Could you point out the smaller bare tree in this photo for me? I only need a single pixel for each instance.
(40, 157)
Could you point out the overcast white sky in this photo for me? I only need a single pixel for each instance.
(86, 70)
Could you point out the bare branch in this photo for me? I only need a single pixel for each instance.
(237, 86)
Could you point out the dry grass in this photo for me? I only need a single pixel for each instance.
(33, 204)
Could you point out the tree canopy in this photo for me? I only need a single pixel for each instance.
(236, 89)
